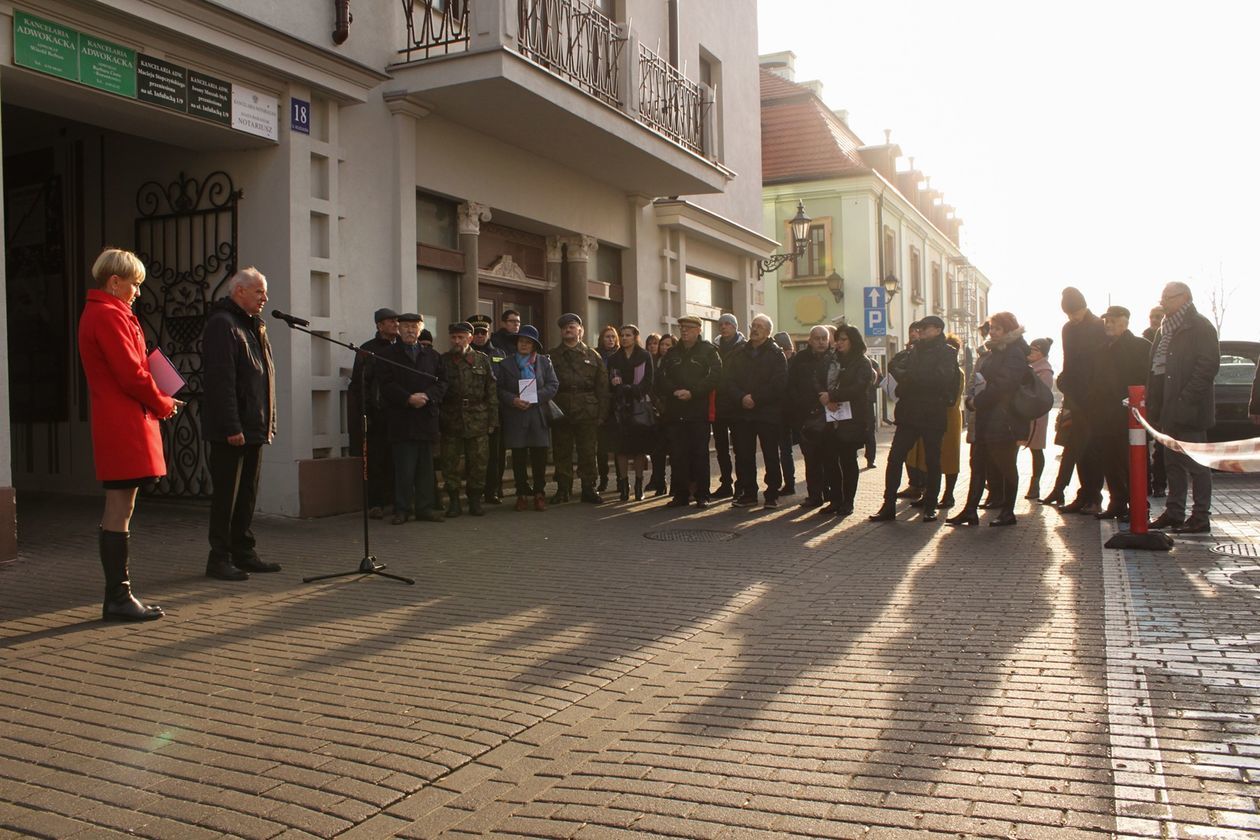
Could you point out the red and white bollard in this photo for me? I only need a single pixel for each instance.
(1139, 513)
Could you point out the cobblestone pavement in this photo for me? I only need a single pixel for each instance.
(602, 672)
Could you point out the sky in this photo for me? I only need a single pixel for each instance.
(1104, 145)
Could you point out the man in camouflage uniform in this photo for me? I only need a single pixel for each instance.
(482, 343)
(583, 398)
(470, 412)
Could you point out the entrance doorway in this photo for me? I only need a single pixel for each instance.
(493, 300)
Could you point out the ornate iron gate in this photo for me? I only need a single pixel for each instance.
(186, 235)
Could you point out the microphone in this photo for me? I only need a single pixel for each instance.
(291, 320)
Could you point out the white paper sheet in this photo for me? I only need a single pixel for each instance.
(529, 390)
(843, 412)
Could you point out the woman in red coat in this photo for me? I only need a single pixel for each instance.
(126, 407)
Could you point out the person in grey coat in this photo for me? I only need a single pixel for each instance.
(526, 430)
(1181, 403)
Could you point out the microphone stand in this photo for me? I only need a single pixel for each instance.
(368, 565)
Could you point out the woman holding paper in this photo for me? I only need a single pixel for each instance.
(126, 406)
(849, 414)
(630, 372)
(527, 382)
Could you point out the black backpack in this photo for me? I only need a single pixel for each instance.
(1032, 399)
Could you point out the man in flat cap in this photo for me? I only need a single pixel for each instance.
(583, 397)
(470, 411)
(412, 389)
(687, 375)
(1123, 361)
(725, 411)
(1083, 339)
(495, 463)
(364, 381)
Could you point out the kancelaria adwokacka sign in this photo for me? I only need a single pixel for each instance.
(58, 50)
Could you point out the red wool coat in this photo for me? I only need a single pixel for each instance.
(126, 403)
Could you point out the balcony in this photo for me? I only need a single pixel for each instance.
(561, 80)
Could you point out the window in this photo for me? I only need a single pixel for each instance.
(938, 293)
(707, 299)
(917, 293)
(812, 263)
(916, 272)
(890, 252)
(711, 77)
(435, 222)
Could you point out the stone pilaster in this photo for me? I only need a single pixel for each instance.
(580, 251)
(471, 215)
(553, 304)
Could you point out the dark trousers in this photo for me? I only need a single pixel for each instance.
(523, 459)
(870, 445)
(1157, 475)
(747, 434)
(1089, 459)
(903, 441)
(606, 445)
(234, 471)
(994, 463)
(566, 437)
(1067, 466)
(414, 477)
(841, 464)
(495, 464)
(380, 465)
(660, 454)
(722, 443)
(1187, 475)
(689, 458)
(787, 460)
(1115, 454)
(815, 453)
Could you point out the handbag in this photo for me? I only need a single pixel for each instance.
(642, 414)
(1032, 399)
(554, 412)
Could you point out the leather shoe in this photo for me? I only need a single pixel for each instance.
(930, 514)
(559, 497)
(1053, 499)
(429, 516)
(475, 508)
(1092, 509)
(810, 502)
(1113, 513)
(399, 518)
(964, 518)
(887, 513)
(701, 504)
(1166, 520)
(591, 497)
(522, 502)
(919, 502)
(1073, 507)
(494, 499)
(910, 493)
(1194, 525)
(724, 491)
(376, 513)
(677, 502)
(224, 570)
(255, 564)
(1004, 519)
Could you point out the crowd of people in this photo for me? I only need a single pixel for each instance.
(661, 401)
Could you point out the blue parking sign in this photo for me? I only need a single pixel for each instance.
(876, 322)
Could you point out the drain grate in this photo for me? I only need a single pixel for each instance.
(1237, 549)
(692, 535)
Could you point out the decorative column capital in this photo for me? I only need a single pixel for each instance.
(555, 245)
(471, 215)
(581, 248)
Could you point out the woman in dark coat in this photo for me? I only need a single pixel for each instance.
(848, 379)
(526, 430)
(126, 407)
(998, 430)
(630, 371)
(660, 448)
(606, 435)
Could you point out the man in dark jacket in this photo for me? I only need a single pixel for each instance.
(806, 379)
(729, 340)
(754, 377)
(363, 380)
(1124, 361)
(1083, 340)
(584, 399)
(1181, 403)
(238, 418)
(688, 374)
(412, 394)
(927, 385)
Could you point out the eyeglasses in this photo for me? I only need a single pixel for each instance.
(1173, 296)
(513, 320)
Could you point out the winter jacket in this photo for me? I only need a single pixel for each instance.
(726, 409)
(126, 402)
(806, 378)
(927, 383)
(422, 376)
(848, 379)
(583, 379)
(1184, 397)
(528, 427)
(637, 366)
(1123, 361)
(240, 379)
(1004, 371)
(470, 406)
(1082, 342)
(697, 369)
(759, 372)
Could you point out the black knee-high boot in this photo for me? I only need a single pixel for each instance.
(120, 604)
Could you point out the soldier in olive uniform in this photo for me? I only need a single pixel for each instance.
(583, 398)
(470, 411)
(482, 343)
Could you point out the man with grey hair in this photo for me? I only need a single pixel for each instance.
(1180, 401)
(238, 418)
(729, 338)
(806, 377)
(754, 379)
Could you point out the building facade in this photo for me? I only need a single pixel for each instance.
(444, 157)
(873, 225)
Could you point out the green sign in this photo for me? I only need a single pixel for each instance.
(107, 66)
(45, 46)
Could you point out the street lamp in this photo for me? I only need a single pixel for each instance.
(800, 239)
(891, 285)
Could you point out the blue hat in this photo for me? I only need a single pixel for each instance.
(530, 332)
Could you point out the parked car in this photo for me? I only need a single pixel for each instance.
(1233, 391)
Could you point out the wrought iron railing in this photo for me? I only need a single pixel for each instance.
(576, 41)
(436, 27)
(671, 103)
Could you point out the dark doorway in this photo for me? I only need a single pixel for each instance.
(493, 300)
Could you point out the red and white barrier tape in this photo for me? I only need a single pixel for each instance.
(1239, 456)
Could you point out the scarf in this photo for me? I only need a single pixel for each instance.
(526, 364)
(1172, 323)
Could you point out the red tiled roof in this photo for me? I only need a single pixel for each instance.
(801, 139)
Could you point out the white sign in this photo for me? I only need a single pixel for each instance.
(255, 113)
